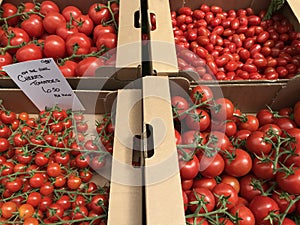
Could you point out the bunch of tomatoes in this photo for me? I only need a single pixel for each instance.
(237, 168)
(48, 164)
(76, 40)
(236, 44)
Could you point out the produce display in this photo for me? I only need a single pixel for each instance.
(235, 168)
(236, 44)
(47, 168)
(76, 40)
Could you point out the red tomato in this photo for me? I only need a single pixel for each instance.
(257, 144)
(211, 166)
(8, 209)
(206, 198)
(52, 21)
(196, 220)
(99, 13)
(189, 169)
(180, 105)
(19, 37)
(71, 12)
(232, 181)
(107, 40)
(68, 68)
(238, 163)
(198, 120)
(65, 31)
(33, 26)
(81, 40)
(297, 113)
(201, 94)
(244, 213)
(55, 212)
(54, 47)
(88, 66)
(289, 182)
(263, 169)
(247, 189)
(84, 24)
(261, 207)
(251, 123)
(29, 52)
(284, 200)
(205, 182)
(48, 6)
(98, 203)
(223, 190)
(8, 10)
(100, 29)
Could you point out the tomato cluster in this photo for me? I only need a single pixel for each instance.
(235, 45)
(76, 40)
(237, 168)
(47, 169)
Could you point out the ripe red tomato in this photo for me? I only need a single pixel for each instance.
(205, 182)
(257, 143)
(201, 94)
(8, 10)
(100, 29)
(244, 213)
(84, 24)
(54, 47)
(33, 26)
(99, 13)
(98, 203)
(74, 182)
(198, 120)
(211, 166)
(189, 169)
(261, 207)
(68, 68)
(34, 199)
(81, 40)
(71, 12)
(107, 40)
(289, 182)
(206, 198)
(55, 212)
(52, 21)
(88, 66)
(48, 6)
(251, 123)
(29, 52)
(238, 163)
(223, 190)
(8, 209)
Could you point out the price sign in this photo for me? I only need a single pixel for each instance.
(44, 84)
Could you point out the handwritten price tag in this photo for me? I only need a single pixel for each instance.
(44, 84)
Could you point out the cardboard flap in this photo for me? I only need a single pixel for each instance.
(287, 96)
(129, 37)
(163, 186)
(295, 6)
(162, 39)
(125, 201)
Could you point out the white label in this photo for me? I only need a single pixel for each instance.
(44, 84)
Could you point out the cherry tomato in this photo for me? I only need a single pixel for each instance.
(29, 52)
(189, 169)
(205, 196)
(238, 163)
(52, 21)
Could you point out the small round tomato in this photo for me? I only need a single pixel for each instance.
(233, 181)
(205, 182)
(52, 21)
(244, 213)
(74, 182)
(261, 207)
(53, 169)
(180, 105)
(54, 47)
(84, 24)
(99, 13)
(201, 197)
(211, 166)
(71, 12)
(8, 209)
(289, 182)
(223, 190)
(198, 120)
(107, 41)
(34, 199)
(201, 94)
(257, 143)
(78, 43)
(26, 211)
(189, 169)
(48, 6)
(238, 163)
(55, 212)
(98, 203)
(31, 221)
(29, 52)
(250, 123)
(68, 68)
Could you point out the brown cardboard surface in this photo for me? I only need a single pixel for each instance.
(162, 48)
(125, 201)
(295, 5)
(162, 207)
